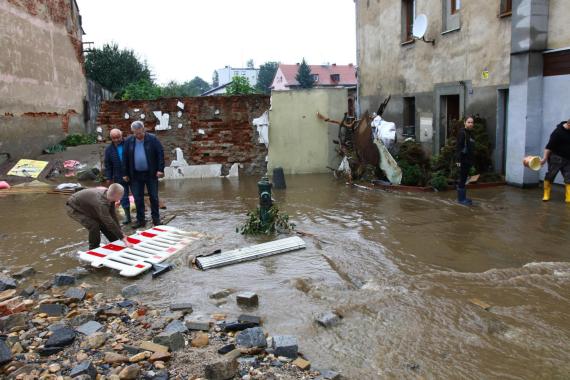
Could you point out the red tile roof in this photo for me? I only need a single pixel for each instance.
(347, 74)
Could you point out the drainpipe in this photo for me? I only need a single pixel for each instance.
(357, 106)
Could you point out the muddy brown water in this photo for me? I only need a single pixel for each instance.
(400, 268)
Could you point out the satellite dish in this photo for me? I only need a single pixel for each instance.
(420, 28)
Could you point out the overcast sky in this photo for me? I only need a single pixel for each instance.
(181, 39)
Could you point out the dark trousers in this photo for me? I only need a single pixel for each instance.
(463, 174)
(125, 203)
(556, 164)
(93, 226)
(138, 183)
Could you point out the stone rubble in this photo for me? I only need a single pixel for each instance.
(63, 333)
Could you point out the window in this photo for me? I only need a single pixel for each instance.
(335, 77)
(408, 15)
(451, 15)
(506, 8)
(315, 78)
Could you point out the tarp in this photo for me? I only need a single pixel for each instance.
(388, 164)
(262, 124)
(28, 168)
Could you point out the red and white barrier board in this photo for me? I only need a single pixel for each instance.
(152, 246)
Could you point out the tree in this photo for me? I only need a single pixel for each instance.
(266, 75)
(215, 79)
(239, 86)
(304, 76)
(114, 69)
(195, 87)
(143, 89)
(250, 64)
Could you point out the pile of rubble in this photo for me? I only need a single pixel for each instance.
(61, 331)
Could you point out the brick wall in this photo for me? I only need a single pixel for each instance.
(213, 129)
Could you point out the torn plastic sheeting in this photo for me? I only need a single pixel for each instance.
(384, 130)
(388, 164)
(262, 125)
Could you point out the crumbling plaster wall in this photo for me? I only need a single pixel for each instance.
(386, 66)
(213, 129)
(42, 82)
(558, 15)
(299, 142)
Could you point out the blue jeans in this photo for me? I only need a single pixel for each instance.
(138, 183)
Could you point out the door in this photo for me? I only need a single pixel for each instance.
(450, 113)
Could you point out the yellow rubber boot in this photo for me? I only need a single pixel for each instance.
(567, 193)
(547, 189)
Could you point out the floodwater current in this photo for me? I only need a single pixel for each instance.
(400, 268)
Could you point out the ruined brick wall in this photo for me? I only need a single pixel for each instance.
(42, 79)
(213, 129)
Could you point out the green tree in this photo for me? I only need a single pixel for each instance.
(304, 76)
(115, 68)
(143, 89)
(239, 86)
(266, 75)
(195, 87)
(215, 79)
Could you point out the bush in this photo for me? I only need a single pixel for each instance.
(438, 181)
(74, 140)
(411, 174)
(278, 222)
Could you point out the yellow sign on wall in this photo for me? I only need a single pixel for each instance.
(28, 168)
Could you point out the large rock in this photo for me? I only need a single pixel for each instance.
(253, 337)
(130, 373)
(285, 345)
(89, 328)
(7, 283)
(84, 368)
(13, 321)
(63, 279)
(61, 337)
(96, 340)
(185, 307)
(24, 272)
(221, 293)
(5, 352)
(222, 369)
(196, 323)
(53, 309)
(328, 319)
(82, 319)
(176, 326)
(76, 294)
(174, 341)
(130, 291)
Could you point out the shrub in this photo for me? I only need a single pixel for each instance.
(74, 140)
(411, 174)
(438, 181)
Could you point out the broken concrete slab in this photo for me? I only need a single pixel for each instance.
(285, 345)
(253, 337)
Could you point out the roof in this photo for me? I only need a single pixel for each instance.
(347, 74)
(212, 90)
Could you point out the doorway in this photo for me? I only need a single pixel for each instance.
(450, 113)
(502, 130)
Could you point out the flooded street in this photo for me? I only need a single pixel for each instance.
(400, 268)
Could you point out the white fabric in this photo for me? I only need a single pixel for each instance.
(262, 124)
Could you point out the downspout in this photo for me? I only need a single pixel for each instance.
(357, 104)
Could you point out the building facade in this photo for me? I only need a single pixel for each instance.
(227, 74)
(42, 80)
(324, 76)
(490, 58)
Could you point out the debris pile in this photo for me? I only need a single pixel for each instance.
(61, 330)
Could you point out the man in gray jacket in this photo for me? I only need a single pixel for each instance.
(94, 209)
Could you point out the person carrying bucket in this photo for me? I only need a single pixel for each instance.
(465, 154)
(557, 154)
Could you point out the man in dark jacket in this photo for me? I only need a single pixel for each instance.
(557, 154)
(143, 165)
(114, 169)
(465, 152)
(94, 209)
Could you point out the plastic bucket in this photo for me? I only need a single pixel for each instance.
(532, 162)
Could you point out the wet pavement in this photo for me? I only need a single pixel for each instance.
(400, 268)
